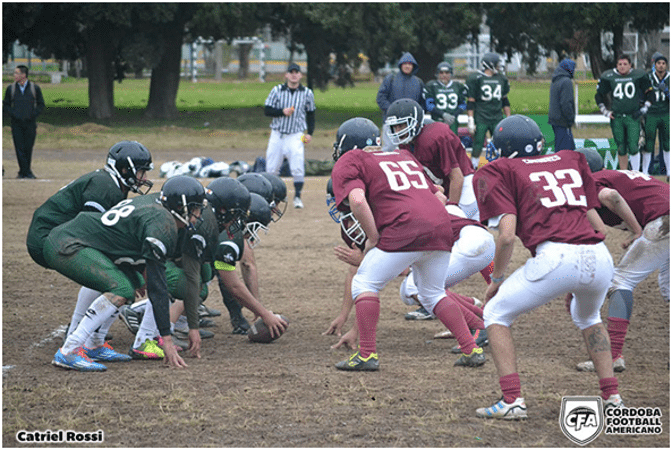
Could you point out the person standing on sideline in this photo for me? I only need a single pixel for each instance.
(487, 97)
(627, 87)
(561, 105)
(24, 102)
(446, 97)
(403, 84)
(658, 117)
(292, 107)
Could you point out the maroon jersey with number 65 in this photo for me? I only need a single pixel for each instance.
(550, 196)
(408, 216)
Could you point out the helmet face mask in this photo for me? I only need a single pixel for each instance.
(258, 219)
(492, 62)
(129, 161)
(516, 136)
(279, 196)
(353, 228)
(405, 119)
(184, 197)
(357, 132)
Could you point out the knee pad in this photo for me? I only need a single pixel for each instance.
(620, 304)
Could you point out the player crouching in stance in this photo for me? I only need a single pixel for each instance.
(107, 251)
(549, 203)
(406, 224)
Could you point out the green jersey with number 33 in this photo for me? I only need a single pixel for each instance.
(445, 98)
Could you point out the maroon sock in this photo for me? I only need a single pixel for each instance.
(467, 302)
(617, 329)
(510, 385)
(487, 271)
(609, 387)
(367, 310)
(474, 322)
(450, 314)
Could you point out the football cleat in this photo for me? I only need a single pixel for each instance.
(357, 363)
(588, 366)
(502, 410)
(475, 359)
(77, 361)
(105, 353)
(148, 350)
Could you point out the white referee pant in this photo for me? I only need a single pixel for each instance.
(557, 269)
(288, 146)
(648, 253)
(379, 267)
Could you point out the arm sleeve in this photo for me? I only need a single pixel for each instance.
(310, 121)
(192, 270)
(273, 112)
(157, 291)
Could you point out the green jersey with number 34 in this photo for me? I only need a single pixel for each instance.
(626, 90)
(131, 232)
(488, 93)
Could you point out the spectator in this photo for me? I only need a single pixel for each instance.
(561, 105)
(403, 84)
(23, 106)
(292, 107)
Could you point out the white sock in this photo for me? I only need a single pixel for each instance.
(475, 161)
(148, 328)
(646, 160)
(635, 161)
(99, 312)
(97, 338)
(85, 298)
(666, 157)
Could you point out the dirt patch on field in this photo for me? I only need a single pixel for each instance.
(288, 394)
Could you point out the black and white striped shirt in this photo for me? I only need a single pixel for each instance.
(281, 97)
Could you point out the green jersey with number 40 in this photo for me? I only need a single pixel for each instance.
(488, 93)
(626, 90)
(445, 97)
(132, 232)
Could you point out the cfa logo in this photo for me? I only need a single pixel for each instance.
(581, 418)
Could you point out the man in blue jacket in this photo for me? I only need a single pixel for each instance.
(403, 84)
(561, 105)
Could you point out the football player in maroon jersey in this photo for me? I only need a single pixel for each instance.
(549, 203)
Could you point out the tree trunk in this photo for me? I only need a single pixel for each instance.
(244, 60)
(100, 69)
(166, 79)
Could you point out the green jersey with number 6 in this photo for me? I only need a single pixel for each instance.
(132, 232)
(488, 93)
(627, 90)
(445, 97)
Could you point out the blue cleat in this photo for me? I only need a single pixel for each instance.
(106, 353)
(77, 361)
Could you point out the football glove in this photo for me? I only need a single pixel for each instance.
(642, 111)
(448, 118)
(471, 125)
(603, 109)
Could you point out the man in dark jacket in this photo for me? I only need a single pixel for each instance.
(561, 105)
(403, 84)
(24, 102)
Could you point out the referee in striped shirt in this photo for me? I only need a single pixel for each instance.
(292, 107)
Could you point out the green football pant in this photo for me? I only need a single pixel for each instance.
(626, 134)
(177, 280)
(91, 268)
(656, 122)
(479, 137)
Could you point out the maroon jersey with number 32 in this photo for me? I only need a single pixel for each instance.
(407, 214)
(550, 196)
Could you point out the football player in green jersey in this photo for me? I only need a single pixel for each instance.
(125, 171)
(106, 252)
(445, 97)
(231, 201)
(658, 115)
(487, 92)
(627, 87)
